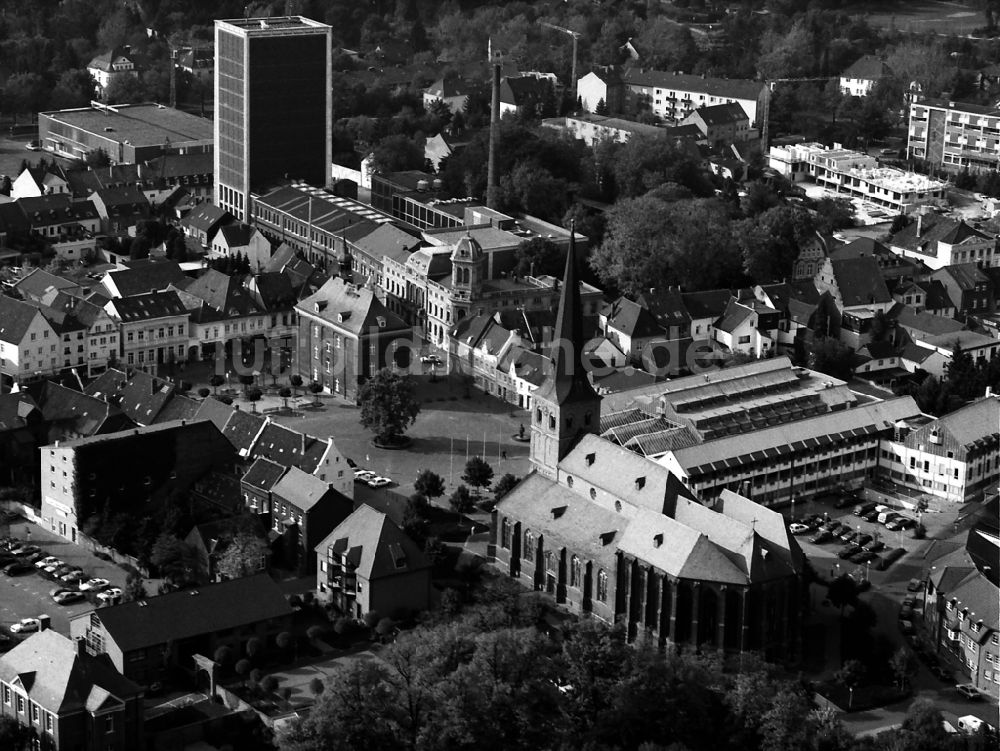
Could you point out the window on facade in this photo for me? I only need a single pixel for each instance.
(505, 534)
(602, 585)
(20, 704)
(574, 572)
(529, 546)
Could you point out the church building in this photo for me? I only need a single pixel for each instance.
(613, 535)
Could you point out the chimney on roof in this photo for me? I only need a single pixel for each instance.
(81, 647)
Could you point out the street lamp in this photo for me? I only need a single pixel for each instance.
(850, 701)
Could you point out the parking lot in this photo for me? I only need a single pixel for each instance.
(27, 595)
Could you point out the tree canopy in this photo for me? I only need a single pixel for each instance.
(388, 405)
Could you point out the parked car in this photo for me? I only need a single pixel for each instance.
(871, 516)
(942, 673)
(378, 482)
(47, 561)
(969, 691)
(847, 551)
(94, 585)
(820, 537)
(25, 549)
(68, 597)
(862, 539)
(848, 534)
(888, 558)
(363, 474)
(915, 585)
(431, 360)
(874, 546)
(34, 145)
(864, 508)
(906, 613)
(863, 556)
(907, 523)
(51, 568)
(900, 522)
(73, 577)
(26, 626)
(32, 558)
(17, 568)
(799, 529)
(906, 626)
(110, 596)
(886, 517)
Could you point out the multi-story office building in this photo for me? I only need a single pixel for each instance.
(955, 135)
(273, 102)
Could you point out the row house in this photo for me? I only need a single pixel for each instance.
(121, 209)
(940, 241)
(673, 96)
(153, 329)
(961, 614)
(955, 458)
(204, 222)
(969, 288)
(241, 239)
(57, 217)
(222, 312)
(30, 346)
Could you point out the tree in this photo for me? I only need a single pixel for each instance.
(247, 380)
(243, 555)
(25, 92)
(602, 107)
(15, 736)
(215, 381)
(316, 686)
(538, 256)
(125, 90)
(135, 587)
(295, 380)
(461, 500)
(478, 473)
(651, 243)
(850, 674)
(253, 646)
(397, 153)
(173, 557)
(97, 158)
(834, 213)
(428, 484)
(770, 242)
(254, 395)
(269, 683)
(504, 485)
(139, 248)
(842, 591)
(75, 88)
(285, 393)
(242, 669)
(388, 406)
(923, 727)
(781, 727)
(223, 654)
(903, 665)
(831, 356)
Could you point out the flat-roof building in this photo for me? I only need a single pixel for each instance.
(954, 135)
(127, 133)
(857, 175)
(273, 101)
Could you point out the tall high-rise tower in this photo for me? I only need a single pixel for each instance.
(273, 100)
(566, 407)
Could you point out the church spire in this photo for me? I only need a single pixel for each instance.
(567, 381)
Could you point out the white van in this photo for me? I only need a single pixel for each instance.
(970, 724)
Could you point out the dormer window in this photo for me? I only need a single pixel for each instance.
(590, 459)
(640, 483)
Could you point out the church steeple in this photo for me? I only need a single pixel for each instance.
(566, 406)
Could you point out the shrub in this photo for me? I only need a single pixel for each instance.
(315, 632)
(385, 627)
(256, 675)
(372, 618)
(223, 654)
(269, 683)
(461, 500)
(204, 391)
(284, 640)
(253, 646)
(242, 668)
(316, 686)
(295, 601)
(919, 532)
(343, 626)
